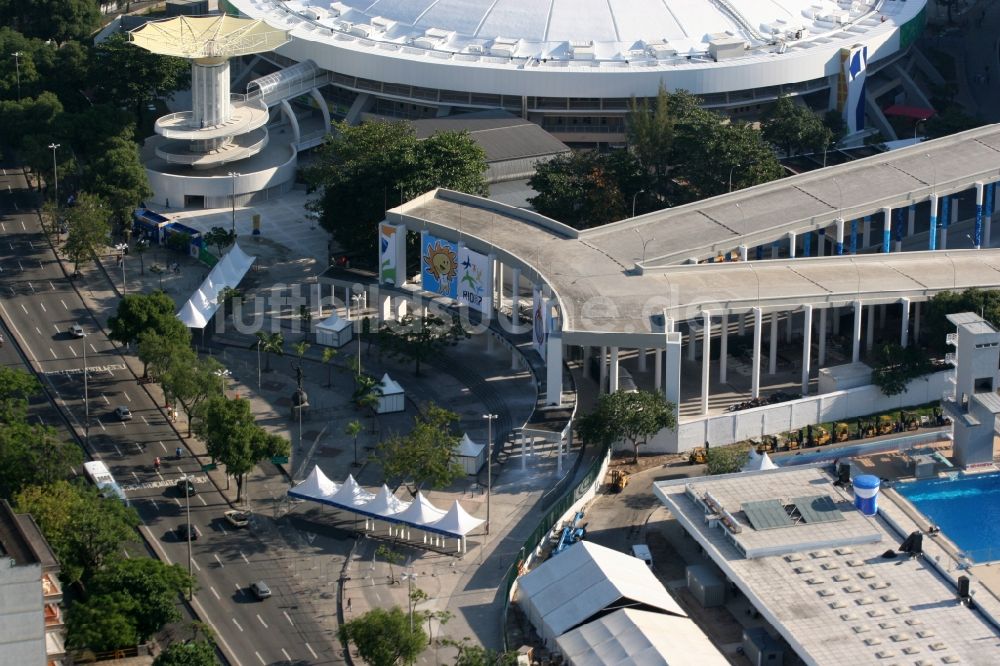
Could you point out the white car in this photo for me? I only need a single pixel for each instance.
(237, 518)
(123, 413)
(77, 331)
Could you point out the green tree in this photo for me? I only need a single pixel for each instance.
(269, 343)
(33, 455)
(138, 313)
(84, 529)
(726, 459)
(391, 558)
(476, 655)
(29, 126)
(584, 189)
(58, 20)
(128, 76)
(329, 353)
(101, 623)
(793, 127)
(426, 455)
(88, 228)
(352, 430)
(220, 237)
(649, 131)
(951, 120)
(17, 386)
(364, 169)
(632, 417)
(384, 637)
(152, 586)
(935, 325)
(191, 380)
(735, 148)
(233, 438)
(118, 176)
(190, 653)
(895, 367)
(418, 338)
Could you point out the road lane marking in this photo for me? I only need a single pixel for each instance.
(52, 285)
(158, 475)
(101, 423)
(41, 305)
(237, 624)
(31, 244)
(214, 593)
(134, 475)
(22, 222)
(163, 446)
(52, 351)
(32, 287)
(106, 401)
(119, 452)
(287, 656)
(195, 564)
(24, 308)
(13, 327)
(202, 500)
(20, 266)
(65, 307)
(244, 557)
(144, 419)
(57, 328)
(94, 349)
(126, 396)
(260, 657)
(288, 617)
(71, 349)
(155, 505)
(311, 651)
(177, 501)
(39, 330)
(216, 556)
(262, 620)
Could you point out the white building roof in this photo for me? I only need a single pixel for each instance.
(467, 448)
(582, 582)
(630, 637)
(390, 386)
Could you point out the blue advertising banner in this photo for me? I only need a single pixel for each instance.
(438, 265)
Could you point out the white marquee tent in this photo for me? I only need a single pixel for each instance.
(334, 331)
(393, 399)
(204, 302)
(419, 514)
(758, 462)
(630, 637)
(470, 455)
(583, 581)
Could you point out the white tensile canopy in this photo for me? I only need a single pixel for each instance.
(457, 521)
(630, 637)
(758, 462)
(351, 495)
(421, 513)
(385, 504)
(334, 331)
(392, 398)
(316, 486)
(204, 302)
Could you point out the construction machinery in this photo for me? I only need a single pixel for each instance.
(909, 421)
(866, 429)
(697, 456)
(793, 441)
(841, 432)
(619, 480)
(886, 426)
(820, 436)
(768, 444)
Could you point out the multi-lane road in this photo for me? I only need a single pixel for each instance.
(38, 305)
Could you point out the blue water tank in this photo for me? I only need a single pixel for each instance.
(866, 493)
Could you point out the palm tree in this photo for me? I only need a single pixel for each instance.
(353, 429)
(328, 355)
(270, 343)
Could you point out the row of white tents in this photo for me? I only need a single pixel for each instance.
(382, 505)
(227, 273)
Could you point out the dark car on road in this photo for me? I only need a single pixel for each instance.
(182, 532)
(185, 486)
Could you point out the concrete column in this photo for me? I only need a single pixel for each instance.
(642, 359)
(897, 231)
(515, 295)
(866, 231)
(613, 371)
(772, 361)
(807, 243)
(854, 236)
(821, 355)
(672, 369)
(882, 311)
(886, 230)
(821, 243)
(945, 212)
(603, 373)
(856, 351)
(988, 216)
(498, 267)
(870, 334)
(916, 321)
(791, 245)
(692, 342)
(553, 369)
(788, 328)
(706, 359)
(904, 332)
(657, 368)
(836, 320)
(775, 250)
(911, 220)
(758, 321)
(932, 232)
(806, 346)
(954, 210)
(977, 237)
(838, 248)
(384, 307)
(724, 347)
(741, 328)
(744, 252)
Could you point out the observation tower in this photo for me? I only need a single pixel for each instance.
(221, 127)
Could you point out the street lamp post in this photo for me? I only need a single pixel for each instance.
(187, 501)
(409, 576)
(489, 464)
(644, 242)
(258, 363)
(55, 170)
(17, 68)
(633, 200)
(233, 175)
(122, 248)
(86, 398)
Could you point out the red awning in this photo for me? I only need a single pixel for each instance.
(915, 112)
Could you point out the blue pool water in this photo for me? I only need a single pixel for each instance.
(967, 509)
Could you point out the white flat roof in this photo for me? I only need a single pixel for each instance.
(838, 604)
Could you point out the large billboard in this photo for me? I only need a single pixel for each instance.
(475, 279)
(391, 245)
(438, 265)
(851, 89)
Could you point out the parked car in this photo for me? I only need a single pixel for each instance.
(77, 331)
(123, 413)
(237, 518)
(182, 532)
(260, 590)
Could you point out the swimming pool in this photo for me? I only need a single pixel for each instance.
(966, 508)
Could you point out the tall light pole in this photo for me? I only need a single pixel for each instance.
(187, 501)
(55, 170)
(409, 576)
(233, 175)
(122, 247)
(644, 242)
(17, 68)
(489, 464)
(633, 200)
(86, 398)
(258, 363)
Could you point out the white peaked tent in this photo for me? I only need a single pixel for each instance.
(470, 455)
(758, 462)
(334, 331)
(457, 521)
(393, 399)
(421, 513)
(227, 273)
(315, 487)
(351, 496)
(385, 504)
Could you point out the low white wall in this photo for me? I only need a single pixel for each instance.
(732, 427)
